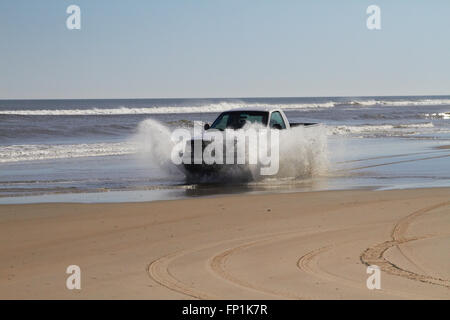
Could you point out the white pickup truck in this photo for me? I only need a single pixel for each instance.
(269, 117)
(273, 118)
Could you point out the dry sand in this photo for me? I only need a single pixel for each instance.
(281, 246)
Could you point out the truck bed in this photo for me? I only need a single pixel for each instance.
(304, 124)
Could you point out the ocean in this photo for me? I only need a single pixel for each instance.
(93, 150)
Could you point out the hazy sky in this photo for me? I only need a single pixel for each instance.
(223, 48)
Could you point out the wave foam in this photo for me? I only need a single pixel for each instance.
(209, 108)
(442, 115)
(222, 106)
(401, 103)
(387, 129)
(17, 153)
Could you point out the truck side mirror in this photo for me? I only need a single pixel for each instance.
(206, 127)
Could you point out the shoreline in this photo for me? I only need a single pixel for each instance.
(304, 245)
(202, 193)
(199, 193)
(411, 166)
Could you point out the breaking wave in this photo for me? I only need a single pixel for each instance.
(222, 106)
(208, 108)
(400, 103)
(30, 152)
(440, 115)
(386, 129)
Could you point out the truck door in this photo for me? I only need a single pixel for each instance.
(276, 121)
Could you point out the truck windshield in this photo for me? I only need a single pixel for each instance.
(237, 119)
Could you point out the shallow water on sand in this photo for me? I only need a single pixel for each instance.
(354, 163)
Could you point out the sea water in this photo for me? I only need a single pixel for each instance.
(119, 150)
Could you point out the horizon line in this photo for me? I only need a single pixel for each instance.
(206, 98)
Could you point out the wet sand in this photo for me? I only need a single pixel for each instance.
(311, 245)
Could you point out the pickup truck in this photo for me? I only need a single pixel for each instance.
(273, 118)
(236, 119)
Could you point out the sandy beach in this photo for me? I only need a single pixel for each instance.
(224, 150)
(311, 245)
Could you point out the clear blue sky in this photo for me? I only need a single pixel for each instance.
(223, 48)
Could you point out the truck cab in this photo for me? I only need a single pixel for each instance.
(236, 119)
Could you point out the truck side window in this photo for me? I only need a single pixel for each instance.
(276, 118)
(222, 122)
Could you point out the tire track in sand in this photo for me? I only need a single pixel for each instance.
(375, 255)
(218, 262)
(159, 269)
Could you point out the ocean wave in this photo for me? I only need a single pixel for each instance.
(209, 108)
(400, 103)
(28, 130)
(183, 123)
(15, 153)
(385, 129)
(441, 115)
(220, 107)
